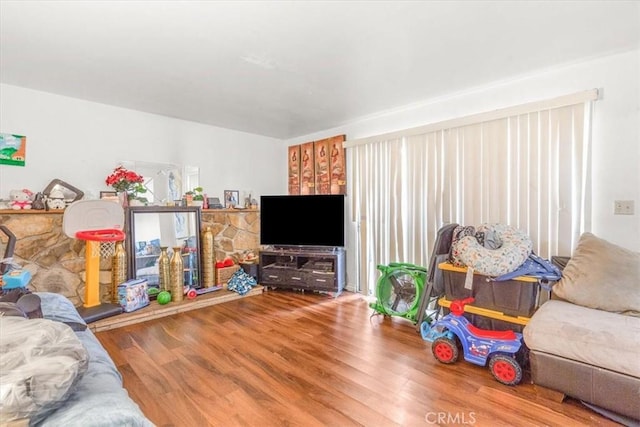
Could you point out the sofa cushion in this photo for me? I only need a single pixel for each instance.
(602, 275)
(595, 337)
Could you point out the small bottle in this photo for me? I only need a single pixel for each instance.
(118, 270)
(163, 269)
(176, 272)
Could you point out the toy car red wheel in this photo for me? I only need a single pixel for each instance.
(445, 350)
(505, 369)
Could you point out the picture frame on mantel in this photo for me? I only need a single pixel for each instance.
(109, 195)
(231, 198)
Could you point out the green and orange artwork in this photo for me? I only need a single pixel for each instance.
(13, 149)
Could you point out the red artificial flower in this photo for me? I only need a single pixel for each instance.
(123, 180)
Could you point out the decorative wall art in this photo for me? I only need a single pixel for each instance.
(294, 169)
(318, 167)
(321, 151)
(13, 149)
(337, 164)
(307, 181)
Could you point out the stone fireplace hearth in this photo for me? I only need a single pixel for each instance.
(57, 264)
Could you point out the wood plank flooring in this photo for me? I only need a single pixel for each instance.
(288, 358)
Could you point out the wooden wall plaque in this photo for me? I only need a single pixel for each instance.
(318, 167)
(321, 151)
(307, 180)
(294, 169)
(337, 164)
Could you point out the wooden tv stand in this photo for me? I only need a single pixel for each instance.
(313, 269)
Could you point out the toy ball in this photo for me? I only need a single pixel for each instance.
(164, 297)
(191, 293)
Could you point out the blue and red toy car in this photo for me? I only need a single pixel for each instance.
(503, 349)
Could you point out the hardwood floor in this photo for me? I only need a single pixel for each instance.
(302, 359)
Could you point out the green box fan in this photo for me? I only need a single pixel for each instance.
(399, 290)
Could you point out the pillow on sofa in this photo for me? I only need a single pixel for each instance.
(41, 361)
(602, 275)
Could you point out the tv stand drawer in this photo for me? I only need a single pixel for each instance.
(274, 276)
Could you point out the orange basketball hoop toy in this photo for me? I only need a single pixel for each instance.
(100, 244)
(99, 223)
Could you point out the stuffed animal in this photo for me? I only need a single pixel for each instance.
(55, 201)
(38, 202)
(20, 199)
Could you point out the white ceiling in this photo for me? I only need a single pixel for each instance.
(286, 69)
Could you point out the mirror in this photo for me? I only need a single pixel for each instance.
(165, 182)
(70, 193)
(150, 227)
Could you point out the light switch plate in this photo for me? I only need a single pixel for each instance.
(623, 207)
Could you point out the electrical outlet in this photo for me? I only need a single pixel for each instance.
(623, 207)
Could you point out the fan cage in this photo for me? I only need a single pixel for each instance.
(405, 280)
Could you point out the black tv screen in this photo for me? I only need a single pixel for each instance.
(316, 220)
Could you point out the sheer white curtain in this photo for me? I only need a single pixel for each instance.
(527, 167)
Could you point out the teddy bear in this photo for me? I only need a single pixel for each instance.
(20, 199)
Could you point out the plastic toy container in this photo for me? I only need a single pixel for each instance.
(516, 297)
(133, 295)
(15, 279)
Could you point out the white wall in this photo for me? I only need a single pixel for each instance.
(81, 142)
(615, 131)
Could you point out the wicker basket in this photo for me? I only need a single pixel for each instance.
(224, 274)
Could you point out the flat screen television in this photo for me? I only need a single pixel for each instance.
(315, 220)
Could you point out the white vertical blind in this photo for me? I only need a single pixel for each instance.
(529, 170)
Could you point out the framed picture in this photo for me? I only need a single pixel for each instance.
(13, 149)
(109, 195)
(231, 198)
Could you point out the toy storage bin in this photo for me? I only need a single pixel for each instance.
(515, 297)
(133, 295)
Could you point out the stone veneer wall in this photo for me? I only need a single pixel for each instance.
(57, 264)
(235, 233)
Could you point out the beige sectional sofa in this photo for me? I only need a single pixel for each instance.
(585, 341)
